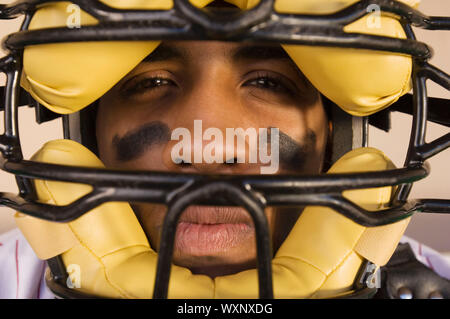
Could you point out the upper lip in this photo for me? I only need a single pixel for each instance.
(211, 215)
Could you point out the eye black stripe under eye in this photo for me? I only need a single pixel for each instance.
(133, 144)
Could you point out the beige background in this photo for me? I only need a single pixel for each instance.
(432, 229)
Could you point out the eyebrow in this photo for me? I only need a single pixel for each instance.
(166, 52)
(260, 52)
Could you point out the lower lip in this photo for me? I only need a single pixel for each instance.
(203, 239)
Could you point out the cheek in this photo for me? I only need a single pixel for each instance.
(318, 122)
(112, 120)
(151, 160)
(105, 129)
(283, 219)
(271, 220)
(151, 217)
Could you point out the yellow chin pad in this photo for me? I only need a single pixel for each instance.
(321, 256)
(67, 77)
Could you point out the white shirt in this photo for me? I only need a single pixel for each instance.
(22, 273)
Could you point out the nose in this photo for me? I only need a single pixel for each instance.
(211, 131)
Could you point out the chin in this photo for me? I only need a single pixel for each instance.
(214, 266)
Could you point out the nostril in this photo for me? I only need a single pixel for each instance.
(182, 163)
(231, 160)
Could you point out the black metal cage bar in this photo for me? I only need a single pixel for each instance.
(178, 191)
(262, 23)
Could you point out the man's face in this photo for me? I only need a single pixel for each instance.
(225, 85)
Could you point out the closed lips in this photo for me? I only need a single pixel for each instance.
(204, 230)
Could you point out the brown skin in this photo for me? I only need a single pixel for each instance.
(208, 83)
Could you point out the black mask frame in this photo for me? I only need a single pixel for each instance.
(254, 193)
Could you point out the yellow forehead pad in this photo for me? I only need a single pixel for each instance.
(66, 77)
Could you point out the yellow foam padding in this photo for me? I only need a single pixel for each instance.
(319, 258)
(69, 76)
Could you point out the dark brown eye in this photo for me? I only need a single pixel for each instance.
(146, 84)
(266, 83)
(269, 82)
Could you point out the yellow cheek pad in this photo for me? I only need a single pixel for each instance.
(67, 77)
(321, 256)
